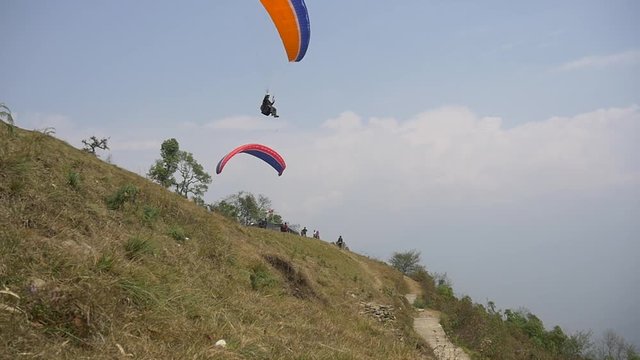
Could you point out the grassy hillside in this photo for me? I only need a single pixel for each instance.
(97, 262)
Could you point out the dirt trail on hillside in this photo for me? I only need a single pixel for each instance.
(427, 325)
(367, 269)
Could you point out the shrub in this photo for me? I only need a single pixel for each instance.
(420, 303)
(445, 291)
(125, 194)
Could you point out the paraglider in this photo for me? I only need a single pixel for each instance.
(292, 21)
(263, 152)
(267, 107)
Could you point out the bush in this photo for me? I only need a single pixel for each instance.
(125, 194)
(445, 291)
(420, 303)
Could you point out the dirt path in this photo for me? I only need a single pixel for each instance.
(367, 269)
(427, 325)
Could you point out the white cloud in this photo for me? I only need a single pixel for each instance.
(348, 120)
(603, 61)
(246, 123)
(442, 156)
(450, 154)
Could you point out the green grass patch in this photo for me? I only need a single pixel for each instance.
(105, 263)
(261, 278)
(140, 293)
(125, 194)
(16, 169)
(73, 180)
(136, 248)
(177, 233)
(149, 214)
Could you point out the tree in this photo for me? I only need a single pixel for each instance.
(225, 208)
(406, 262)
(94, 143)
(162, 171)
(248, 209)
(577, 345)
(193, 179)
(245, 208)
(556, 340)
(614, 347)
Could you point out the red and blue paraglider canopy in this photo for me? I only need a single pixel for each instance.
(263, 152)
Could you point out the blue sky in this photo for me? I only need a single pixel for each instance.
(499, 138)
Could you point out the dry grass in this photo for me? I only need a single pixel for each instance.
(100, 265)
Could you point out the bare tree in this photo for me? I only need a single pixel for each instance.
(94, 143)
(614, 347)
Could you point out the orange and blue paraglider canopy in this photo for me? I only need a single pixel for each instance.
(292, 21)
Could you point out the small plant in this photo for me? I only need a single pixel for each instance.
(149, 214)
(139, 292)
(177, 233)
(16, 186)
(261, 278)
(5, 114)
(137, 248)
(389, 291)
(105, 263)
(49, 131)
(125, 194)
(73, 179)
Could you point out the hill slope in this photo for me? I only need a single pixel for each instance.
(97, 262)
